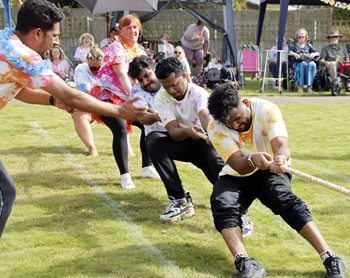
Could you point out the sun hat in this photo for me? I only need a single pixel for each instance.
(334, 33)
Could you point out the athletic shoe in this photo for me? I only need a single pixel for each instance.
(178, 209)
(149, 172)
(335, 267)
(126, 181)
(309, 90)
(247, 225)
(249, 268)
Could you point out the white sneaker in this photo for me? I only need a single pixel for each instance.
(126, 181)
(149, 172)
(247, 225)
(177, 210)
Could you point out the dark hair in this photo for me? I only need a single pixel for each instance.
(37, 14)
(138, 64)
(167, 66)
(222, 100)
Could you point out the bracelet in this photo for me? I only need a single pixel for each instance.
(52, 100)
(250, 161)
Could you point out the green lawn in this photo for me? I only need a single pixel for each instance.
(72, 219)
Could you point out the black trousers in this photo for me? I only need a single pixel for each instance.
(231, 195)
(7, 196)
(120, 143)
(163, 151)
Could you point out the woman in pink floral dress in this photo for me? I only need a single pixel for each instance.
(114, 86)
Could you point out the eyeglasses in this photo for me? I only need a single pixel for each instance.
(94, 68)
(301, 37)
(333, 37)
(177, 52)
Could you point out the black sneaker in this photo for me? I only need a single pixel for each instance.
(335, 267)
(249, 268)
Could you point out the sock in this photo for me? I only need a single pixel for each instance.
(241, 255)
(125, 176)
(326, 254)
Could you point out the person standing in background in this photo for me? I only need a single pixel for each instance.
(179, 53)
(195, 42)
(59, 63)
(85, 79)
(86, 40)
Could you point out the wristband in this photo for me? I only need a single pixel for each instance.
(250, 161)
(52, 100)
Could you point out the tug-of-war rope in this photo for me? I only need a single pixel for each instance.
(316, 180)
(300, 174)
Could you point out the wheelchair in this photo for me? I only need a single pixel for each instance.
(319, 82)
(343, 78)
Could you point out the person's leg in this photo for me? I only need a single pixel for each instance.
(7, 196)
(226, 203)
(302, 80)
(120, 149)
(205, 157)
(332, 71)
(199, 59)
(284, 75)
(275, 192)
(146, 160)
(298, 76)
(189, 53)
(163, 151)
(313, 235)
(147, 170)
(119, 144)
(311, 73)
(273, 69)
(82, 126)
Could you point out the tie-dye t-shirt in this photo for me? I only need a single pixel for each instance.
(184, 111)
(267, 124)
(20, 67)
(147, 100)
(106, 77)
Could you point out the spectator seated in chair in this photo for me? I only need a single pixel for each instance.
(273, 65)
(304, 66)
(331, 56)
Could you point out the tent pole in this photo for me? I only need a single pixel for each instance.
(229, 26)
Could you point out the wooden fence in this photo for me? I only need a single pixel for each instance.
(173, 22)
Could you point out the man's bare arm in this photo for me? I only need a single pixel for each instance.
(84, 102)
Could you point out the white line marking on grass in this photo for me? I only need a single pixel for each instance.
(132, 229)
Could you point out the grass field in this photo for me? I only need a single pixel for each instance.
(72, 219)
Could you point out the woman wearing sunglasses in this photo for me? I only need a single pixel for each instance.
(85, 79)
(115, 87)
(179, 53)
(304, 67)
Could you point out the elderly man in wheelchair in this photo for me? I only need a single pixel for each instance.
(332, 58)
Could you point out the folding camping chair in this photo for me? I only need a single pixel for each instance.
(249, 60)
(266, 76)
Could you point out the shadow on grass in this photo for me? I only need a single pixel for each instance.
(67, 212)
(295, 273)
(37, 151)
(142, 261)
(322, 157)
